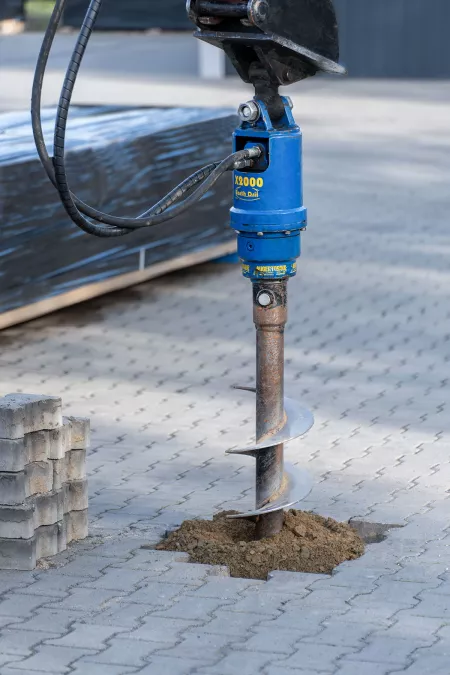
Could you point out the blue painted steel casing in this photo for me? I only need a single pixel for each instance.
(268, 211)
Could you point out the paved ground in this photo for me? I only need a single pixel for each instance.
(368, 348)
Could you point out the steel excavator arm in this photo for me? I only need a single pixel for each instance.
(282, 41)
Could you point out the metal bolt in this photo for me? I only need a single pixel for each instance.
(249, 112)
(260, 234)
(265, 299)
(259, 10)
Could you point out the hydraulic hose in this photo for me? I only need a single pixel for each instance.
(111, 226)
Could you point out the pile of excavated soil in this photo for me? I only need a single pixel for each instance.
(307, 543)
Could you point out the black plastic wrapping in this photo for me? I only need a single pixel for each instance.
(11, 9)
(132, 15)
(121, 161)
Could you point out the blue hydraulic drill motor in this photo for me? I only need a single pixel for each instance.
(268, 212)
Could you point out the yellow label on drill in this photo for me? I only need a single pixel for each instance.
(272, 269)
(248, 188)
(246, 268)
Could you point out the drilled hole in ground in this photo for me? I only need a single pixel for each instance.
(307, 543)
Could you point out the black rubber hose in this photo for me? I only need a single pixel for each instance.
(116, 226)
(149, 220)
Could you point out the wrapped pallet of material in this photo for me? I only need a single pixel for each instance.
(121, 161)
(132, 15)
(12, 9)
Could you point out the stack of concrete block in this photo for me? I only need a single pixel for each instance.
(43, 486)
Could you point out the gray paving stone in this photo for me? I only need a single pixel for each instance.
(22, 414)
(429, 664)
(49, 585)
(124, 652)
(121, 613)
(89, 636)
(158, 594)
(101, 669)
(232, 623)
(194, 608)
(225, 588)
(115, 579)
(273, 641)
(54, 620)
(308, 655)
(76, 465)
(161, 629)
(357, 668)
(17, 522)
(50, 659)
(85, 566)
(166, 664)
(337, 632)
(245, 663)
(22, 605)
(80, 432)
(260, 603)
(201, 646)
(77, 495)
(180, 573)
(9, 659)
(433, 605)
(382, 649)
(14, 455)
(279, 670)
(21, 642)
(77, 525)
(86, 599)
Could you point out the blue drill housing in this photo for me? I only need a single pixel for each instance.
(268, 212)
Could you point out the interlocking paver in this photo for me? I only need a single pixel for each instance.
(233, 623)
(160, 629)
(382, 649)
(22, 605)
(16, 641)
(123, 652)
(244, 663)
(324, 657)
(367, 668)
(50, 659)
(89, 636)
(367, 349)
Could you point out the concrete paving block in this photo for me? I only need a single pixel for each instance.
(39, 476)
(49, 508)
(17, 522)
(51, 659)
(14, 455)
(76, 465)
(18, 554)
(37, 445)
(123, 652)
(59, 469)
(80, 432)
(16, 641)
(77, 525)
(13, 488)
(22, 414)
(76, 495)
(50, 540)
(59, 441)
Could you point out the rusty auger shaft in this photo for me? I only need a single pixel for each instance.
(278, 419)
(270, 317)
